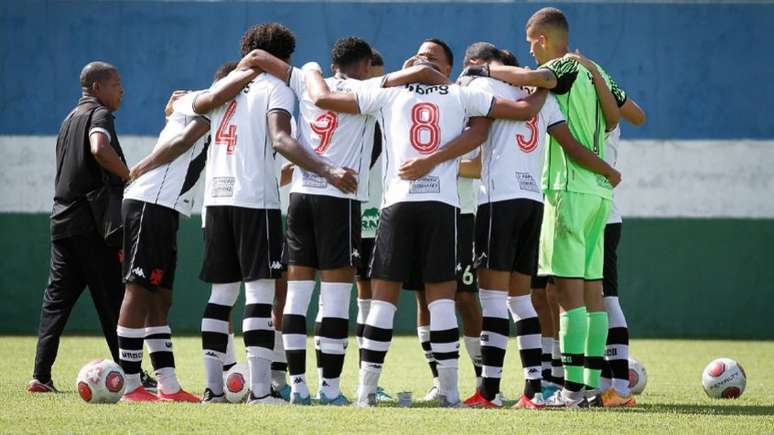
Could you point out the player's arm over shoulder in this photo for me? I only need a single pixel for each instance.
(223, 90)
(415, 74)
(321, 94)
(519, 76)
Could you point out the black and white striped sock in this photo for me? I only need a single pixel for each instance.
(215, 333)
(259, 334)
(159, 342)
(294, 333)
(557, 369)
(333, 335)
(130, 355)
(528, 338)
(494, 339)
(363, 308)
(445, 343)
(617, 349)
(279, 364)
(377, 336)
(423, 333)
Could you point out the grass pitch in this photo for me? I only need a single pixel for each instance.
(673, 400)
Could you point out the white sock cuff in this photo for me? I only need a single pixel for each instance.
(335, 297)
(382, 314)
(259, 292)
(153, 330)
(298, 297)
(123, 331)
(494, 303)
(547, 343)
(615, 315)
(363, 307)
(442, 315)
(521, 307)
(225, 294)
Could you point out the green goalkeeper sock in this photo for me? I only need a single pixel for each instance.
(595, 348)
(573, 330)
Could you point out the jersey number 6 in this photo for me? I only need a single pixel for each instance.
(424, 117)
(227, 133)
(324, 126)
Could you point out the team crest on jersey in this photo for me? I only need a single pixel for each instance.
(426, 184)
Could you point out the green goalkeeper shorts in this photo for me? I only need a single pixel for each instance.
(572, 236)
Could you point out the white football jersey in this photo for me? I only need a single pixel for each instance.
(240, 162)
(344, 140)
(612, 139)
(416, 120)
(171, 185)
(468, 187)
(513, 154)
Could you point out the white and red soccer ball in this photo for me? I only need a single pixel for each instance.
(237, 383)
(724, 378)
(100, 381)
(638, 376)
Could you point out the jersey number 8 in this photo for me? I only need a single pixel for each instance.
(424, 118)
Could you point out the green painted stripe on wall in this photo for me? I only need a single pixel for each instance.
(679, 278)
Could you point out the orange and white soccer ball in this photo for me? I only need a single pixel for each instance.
(100, 381)
(724, 378)
(237, 383)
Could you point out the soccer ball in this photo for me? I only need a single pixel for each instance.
(638, 376)
(100, 381)
(724, 378)
(237, 383)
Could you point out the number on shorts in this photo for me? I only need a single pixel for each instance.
(324, 126)
(467, 276)
(529, 145)
(227, 133)
(424, 118)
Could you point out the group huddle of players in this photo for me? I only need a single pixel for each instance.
(384, 176)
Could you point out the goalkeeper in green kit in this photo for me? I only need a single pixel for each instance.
(578, 192)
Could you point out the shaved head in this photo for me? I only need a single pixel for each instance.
(550, 21)
(96, 71)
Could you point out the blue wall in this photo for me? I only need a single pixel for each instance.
(701, 71)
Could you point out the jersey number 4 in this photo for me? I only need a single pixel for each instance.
(324, 126)
(529, 145)
(227, 133)
(425, 134)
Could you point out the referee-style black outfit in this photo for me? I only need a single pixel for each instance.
(79, 256)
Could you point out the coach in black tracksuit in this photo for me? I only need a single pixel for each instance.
(87, 147)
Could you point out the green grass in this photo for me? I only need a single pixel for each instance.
(673, 400)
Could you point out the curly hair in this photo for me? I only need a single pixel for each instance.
(274, 38)
(350, 50)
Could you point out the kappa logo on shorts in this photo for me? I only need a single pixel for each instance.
(355, 253)
(137, 271)
(276, 265)
(426, 184)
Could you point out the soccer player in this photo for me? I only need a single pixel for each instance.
(243, 234)
(508, 228)
(419, 215)
(161, 190)
(322, 221)
(577, 203)
(615, 372)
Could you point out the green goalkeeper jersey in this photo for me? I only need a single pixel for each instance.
(579, 103)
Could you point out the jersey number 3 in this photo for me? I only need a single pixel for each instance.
(324, 126)
(425, 133)
(227, 133)
(528, 145)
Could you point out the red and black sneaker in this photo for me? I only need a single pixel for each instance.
(35, 386)
(479, 401)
